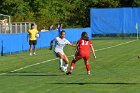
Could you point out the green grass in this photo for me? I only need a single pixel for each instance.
(116, 70)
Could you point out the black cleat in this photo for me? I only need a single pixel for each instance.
(139, 57)
(68, 73)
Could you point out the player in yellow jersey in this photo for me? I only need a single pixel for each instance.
(32, 33)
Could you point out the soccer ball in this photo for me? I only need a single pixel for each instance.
(37, 35)
(64, 69)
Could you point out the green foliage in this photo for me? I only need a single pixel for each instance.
(106, 3)
(72, 13)
(136, 3)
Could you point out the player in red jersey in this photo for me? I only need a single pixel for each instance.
(83, 51)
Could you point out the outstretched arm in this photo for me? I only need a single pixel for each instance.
(73, 45)
(51, 44)
(93, 51)
(76, 51)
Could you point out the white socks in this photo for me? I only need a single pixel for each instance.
(66, 65)
(60, 62)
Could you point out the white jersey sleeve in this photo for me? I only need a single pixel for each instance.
(56, 39)
(67, 42)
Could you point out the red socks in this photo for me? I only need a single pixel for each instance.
(88, 67)
(72, 65)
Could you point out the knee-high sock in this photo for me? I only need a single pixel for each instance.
(60, 62)
(72, 65)
(88, 67)
(66, 65)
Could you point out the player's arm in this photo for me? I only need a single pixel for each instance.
(93, 51)
(37, 34)
(73, 45)
(51, 44)
(76, 51)
(28, 36)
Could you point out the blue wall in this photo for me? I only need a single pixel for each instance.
(114, 20)
(11, 43)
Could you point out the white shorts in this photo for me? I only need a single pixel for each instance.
(56, 51)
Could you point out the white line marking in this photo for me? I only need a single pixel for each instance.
(68, 56)
(115, 45)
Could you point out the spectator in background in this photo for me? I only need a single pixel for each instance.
(32, 38)
(57, 26)
(43, 29)
(2, 27)
(6, 25)
(51, 28)
(60, 28)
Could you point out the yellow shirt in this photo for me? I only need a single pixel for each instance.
(32, 34)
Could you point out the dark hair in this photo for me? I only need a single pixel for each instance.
(84, 36)
(62, 32)
(32, 24)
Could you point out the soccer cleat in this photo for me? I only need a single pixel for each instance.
(68, 73)
(139, 57)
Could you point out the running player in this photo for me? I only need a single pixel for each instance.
(83, 51)
(60, 42)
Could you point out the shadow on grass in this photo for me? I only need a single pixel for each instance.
(38, 74)
(95, 83)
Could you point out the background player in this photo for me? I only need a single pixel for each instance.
(83, 51)
(60, 42)
(32, 38)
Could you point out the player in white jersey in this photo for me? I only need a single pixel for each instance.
(60, 42)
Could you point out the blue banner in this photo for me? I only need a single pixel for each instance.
(11, 43)
(114, 20)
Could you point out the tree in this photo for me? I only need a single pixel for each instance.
(72, 13)
(126, 3)
(18, 9)
(136, 3)
(106, 3)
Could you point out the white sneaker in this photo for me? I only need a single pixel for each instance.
(30, 54)
(34, 53)
(88, 72)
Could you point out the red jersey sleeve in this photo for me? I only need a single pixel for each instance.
(90, 42)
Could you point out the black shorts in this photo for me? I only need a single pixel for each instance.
(32, 42)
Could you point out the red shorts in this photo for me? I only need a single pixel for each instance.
(85, 57)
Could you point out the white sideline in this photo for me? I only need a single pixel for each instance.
(68, 56)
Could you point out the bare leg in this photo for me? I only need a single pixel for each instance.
(60, 59)
(30, 50)
(34, 49)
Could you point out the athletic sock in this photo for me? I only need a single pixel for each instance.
(60, 63)
(88, 67)
(66, 65)
(72, 65)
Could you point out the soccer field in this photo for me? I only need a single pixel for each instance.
(116, 70)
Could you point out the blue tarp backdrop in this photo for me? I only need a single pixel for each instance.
(11, 43)
(114, 20)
